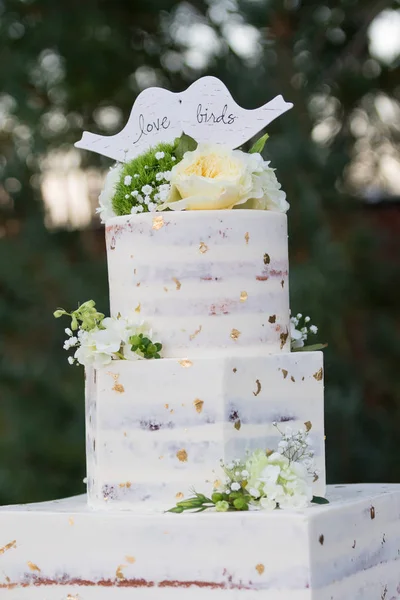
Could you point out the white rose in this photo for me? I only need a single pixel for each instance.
(215, 177)
(105, 210)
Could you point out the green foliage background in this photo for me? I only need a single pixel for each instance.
(62, 61)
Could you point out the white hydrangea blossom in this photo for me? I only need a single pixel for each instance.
(128, 180)
(105, 209)
(99, 347)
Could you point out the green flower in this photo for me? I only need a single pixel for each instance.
(255, 464)
(221, 506)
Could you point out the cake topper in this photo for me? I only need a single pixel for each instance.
(205, 111)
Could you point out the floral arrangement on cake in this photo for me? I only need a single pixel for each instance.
(185, 175)
(265, 479)
(97, 340)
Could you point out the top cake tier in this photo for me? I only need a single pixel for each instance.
(207, 282)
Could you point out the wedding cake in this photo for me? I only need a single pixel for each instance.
(203, 394)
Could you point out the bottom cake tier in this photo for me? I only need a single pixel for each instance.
(346, 550)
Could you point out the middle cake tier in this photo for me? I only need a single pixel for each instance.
(206, 282)
(156, 429)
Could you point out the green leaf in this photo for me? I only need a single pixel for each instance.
(310, 348)
(190, 503)
(176, 509)
(319, 500)
(258, 146)
(184, 144)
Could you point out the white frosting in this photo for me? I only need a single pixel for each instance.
(157, 428)
(195, 276)
(346, 550)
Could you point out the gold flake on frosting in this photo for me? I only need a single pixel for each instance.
(260, 568)
(203, 247)
(70, 597)
(185, 363)
(292, 378)
(243, 296)
(283, 338)
(193, 335)
(272, 319)
(178, 283)
(119, 572)
(32, 566)
(71, 521)
(237, 425)
(198, 404)
(308, 425)
(182, 455)
(117, 387)
(130, 559)
(235, 333)
(138, 308)
(319, 374)
(247, 237)
(158, 222)
(8, 546)
(179, 496)
(266, 259)
(284, 373)
(258, 390)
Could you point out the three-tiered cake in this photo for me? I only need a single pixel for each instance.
(212, 286)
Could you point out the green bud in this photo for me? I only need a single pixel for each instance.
(87, 304)
(74, 323)
(217, 497)
(222, 506)
(240, 504)
(59, 313)
(135, 341)
(234, 495)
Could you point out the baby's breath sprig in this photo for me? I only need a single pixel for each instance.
(300, 329)
(296, 445)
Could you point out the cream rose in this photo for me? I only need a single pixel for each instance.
(215, 177)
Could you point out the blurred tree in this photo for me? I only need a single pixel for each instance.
(69, 66)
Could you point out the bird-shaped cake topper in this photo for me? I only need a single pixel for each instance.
(205, 111)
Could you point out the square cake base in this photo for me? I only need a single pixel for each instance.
(346, 550)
